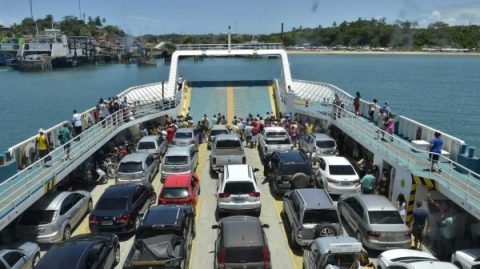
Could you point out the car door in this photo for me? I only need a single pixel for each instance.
(150, 168)
(322, 173)
(346, 209)
(68, 211)
(193, 158)
(80, 205)
(357, 215)
(141, 197)
(15, 260)
(310, 257)
(195, 185)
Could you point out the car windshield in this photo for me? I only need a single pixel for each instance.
(112, 203)
(217, 132)
(176, 160)
(342, 170)
(239, 187)
(243, 254)
(130, 167)
(276, 134)
(320, 215)
(285, 141)
(146, 145)
(385, 217)
(37, 217)
(325, 144)
(174, 193)
(228, 144)
(182, 135)
(347, 260)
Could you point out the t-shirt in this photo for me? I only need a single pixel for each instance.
(42, 142)
(448, 228)
(437, 145)
(64, 135)
(419, 216)
(77, 120)
(367, 182)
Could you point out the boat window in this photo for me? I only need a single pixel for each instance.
(174, 193)
(176, 160)
(112, 203)
(182, 135)
(325, 144)
(243, 254)
(130, 167)
(37, 217)
(385, 217)
(239, 187)
(320, 215)
(228, 144)
(341, 170)
(146, 145)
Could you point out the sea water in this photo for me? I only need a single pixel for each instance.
(441, 91)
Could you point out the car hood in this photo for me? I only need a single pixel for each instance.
(399, 253)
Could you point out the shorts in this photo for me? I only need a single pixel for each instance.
(434, 157)
(417, 231)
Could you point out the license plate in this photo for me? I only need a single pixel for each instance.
(107, 222)
(345, 183)
(238, 199)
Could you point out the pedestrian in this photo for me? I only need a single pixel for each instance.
(420, 217)
(387, 107)
(170, 133)
(309, 127)
(402, 206)
(390, 125)
(448, 233)
(77, 123)
(381, 123)
(372, 107)
(435, 151)
(42, 145)
(368, 182)
(180, 82)
(356, 104)
(248, 135)
(383, 183)
(336, 106)
(64, 135)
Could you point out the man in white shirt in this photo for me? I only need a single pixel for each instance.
(77, 123)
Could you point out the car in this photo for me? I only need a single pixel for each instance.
(335, 252)
(273, 139)
(53, 217)
(241, 243)
(288, 170)
(180, 189)
(179, 160)
(120, 207)
(466, 258)
(137, 168)
(309, 214)
(20, 255)
(152, 144)
(164, 237)
(389, 257)
(375, 221)
(227, 149)
(92, 251)
(238, 191)
(337, 175)
(216, 130)
(318, 143)
(422, 265)
(186, 137)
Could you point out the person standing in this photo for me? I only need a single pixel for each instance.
(390, 125)
(180, 82)
(356, 104)
(77, 123)
(368, 182)
(372, 107)
(402, 206)
(420, 216)
(387, 108)
(448, 233)
(336, 106)
(435, 151)
(64, 135)
(42, 144)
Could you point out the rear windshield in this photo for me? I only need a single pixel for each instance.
(37, 217)
(217, 132)
(112, 203)
(285, 141)
(347, 260)
(174, 193)
(320, 215)
(291, 169)
(385, 217)
(228, 144)
(243, 255)
(341, 170)
(176, 160)
(130, 167)
(239, 187)
(146, 145)
(326, 144)
(276, 134)
(183, 135)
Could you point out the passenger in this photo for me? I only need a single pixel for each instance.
(420, 216)
(356, 104)
(372, 107)
(336, 106)
(214, 119)
(42, 144)
(402, 206)
(367, 181)
(436, 151)
(383, 183)
(179, 83)
(170, 133)
(64, 135)
(387, 107)
(77, 123)
(390, 125)
(448, 232)
(248, 134)
(381, 123)
(309, 127)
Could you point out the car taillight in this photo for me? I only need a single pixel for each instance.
(214, 161)
(192, 141)
(254, 194)
(221, 259)
(331, 180)
(373, 234)
(266, 258)
(224, 195)
(92, 219)
(123, 218)
(244, 160)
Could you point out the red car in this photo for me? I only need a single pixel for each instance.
(180, 189)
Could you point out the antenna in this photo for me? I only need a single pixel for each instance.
(80, 9)
(31, 9)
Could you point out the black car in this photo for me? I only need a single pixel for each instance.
(92, 251)
(120, 207)
(289, 170)
(164, 238)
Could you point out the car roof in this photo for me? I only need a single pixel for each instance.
(374, 202)
(219, 127)
(121, 190)
(291, 156)
(163, 214)
(50, 201)
(472, 252)
(315, 198)
(177, 180)
(226, 137)
(325, 244)
(134, 157)
(410, 253)
(242, 231)
(322, 136)
(178, 151)
(336, 160)
(430, 265)
(238, 172)
(184, 130)
(65, 254)
(149, 138)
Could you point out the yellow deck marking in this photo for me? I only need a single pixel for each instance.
(230, 104)
(297, 260)
(271, 94)
(187, 98)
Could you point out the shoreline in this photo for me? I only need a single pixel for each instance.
(347, 52)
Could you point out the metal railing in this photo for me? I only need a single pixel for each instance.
(253, 46)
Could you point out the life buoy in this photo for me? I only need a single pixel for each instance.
(27, 155)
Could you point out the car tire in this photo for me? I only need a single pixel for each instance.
(326, 230)
(36, 259)
(117, 255)
(67, 232)
(300, 180)
(90, 206)
(458, 264)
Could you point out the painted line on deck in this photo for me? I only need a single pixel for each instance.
(295, 259)
(230, 104)
(187, 98)
(271, 95)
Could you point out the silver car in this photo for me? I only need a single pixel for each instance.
(185, 137)
(375, 221)
(152, 144)
(137, 168)
(179, 160)
(318, 143)
(52, 218)
(216, 130)
(22, 255)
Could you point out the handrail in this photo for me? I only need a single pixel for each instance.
(233, 46)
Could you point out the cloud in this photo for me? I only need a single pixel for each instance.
(454, 15)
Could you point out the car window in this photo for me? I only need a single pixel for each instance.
(358, 208)
(228, 144)
(347, 260)
(37, 217)
(343, 170)
(243, 254)
(217, 132)
(239, 187)
(112, 203)
(77, 197)
(320, 215)
(137, 194)
(295, 205)
(385, 217)
(67, 203)
(130, 167)
(323, 165)
(12, 257)
(284, 141)
(146, 145)
(182, 135)
(274, 134)
(174, 193)
(176, 160)
(293, 168)
(94, 255)
(149, 160)
(192, 153)
(325, 144)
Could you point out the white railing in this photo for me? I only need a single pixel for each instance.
(253, 46)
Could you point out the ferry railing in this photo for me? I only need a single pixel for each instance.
(233, 46)
(43, 172)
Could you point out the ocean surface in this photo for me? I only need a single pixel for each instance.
(442, 91)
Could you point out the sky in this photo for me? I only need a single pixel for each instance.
(139, 17)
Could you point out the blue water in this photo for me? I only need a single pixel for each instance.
(441, 91)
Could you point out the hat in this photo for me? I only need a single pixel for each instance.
(41, 130)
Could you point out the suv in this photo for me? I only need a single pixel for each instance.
(153, 144)
(336, 252)
(273, 139)
(238, 190)
(318, 143)
(241, 243)
(137, 168)
(337, 175)
(289, 169)
(310, 213)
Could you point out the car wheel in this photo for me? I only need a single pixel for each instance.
(67, 233)
(35, 260)
(90, 206)
(458, 265)
(117, 255)
(326, 230)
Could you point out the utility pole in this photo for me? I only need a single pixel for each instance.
(31, 9)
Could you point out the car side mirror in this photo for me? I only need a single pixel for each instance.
(265, 226)
(215, 226)
(255, 170)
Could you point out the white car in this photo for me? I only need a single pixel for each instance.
(466, 258)
(389, 257)
(337, 175)
(422, 265)
(238, 191)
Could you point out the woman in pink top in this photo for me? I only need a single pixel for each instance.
(390, 125)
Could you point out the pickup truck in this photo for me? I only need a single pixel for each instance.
(227, 149)
(273, 139)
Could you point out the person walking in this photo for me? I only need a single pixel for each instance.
(367, 182)
(42, 145)
(435, 151)
(356, 104)
(64, 135)
(448, 232)
(77, 123)
(402, 206)
(372, 107)
(420, 217)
